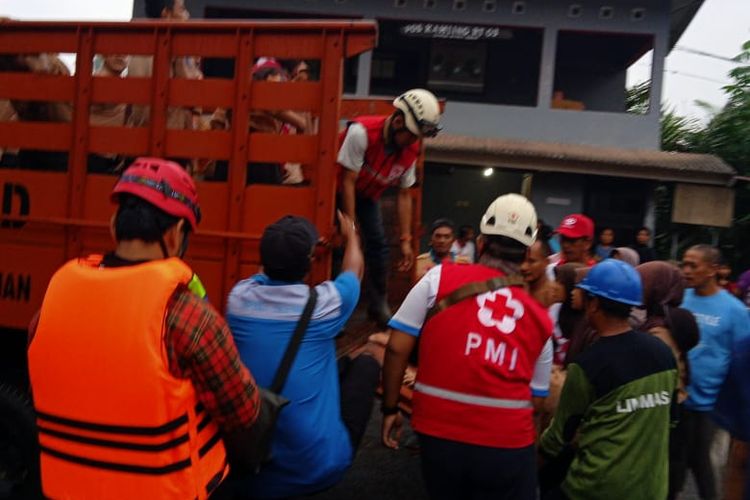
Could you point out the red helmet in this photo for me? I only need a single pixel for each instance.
(164, 184)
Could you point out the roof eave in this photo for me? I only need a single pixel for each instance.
(580, 166)
(681, 13)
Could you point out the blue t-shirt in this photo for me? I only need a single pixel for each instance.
(602, 251)
(732, 409)
(311, 449)
(723, 322)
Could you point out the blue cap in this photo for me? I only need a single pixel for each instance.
(614, 280)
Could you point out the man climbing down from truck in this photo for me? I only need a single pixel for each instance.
(378, 152)
(137, 383)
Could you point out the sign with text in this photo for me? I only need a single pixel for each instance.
(455, 31)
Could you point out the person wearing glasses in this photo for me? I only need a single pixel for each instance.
(378, 152)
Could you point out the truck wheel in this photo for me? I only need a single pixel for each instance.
(19, 449)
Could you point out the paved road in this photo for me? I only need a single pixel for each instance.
(379, 473)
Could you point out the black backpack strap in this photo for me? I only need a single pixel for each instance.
(472, 290)
(291, 351)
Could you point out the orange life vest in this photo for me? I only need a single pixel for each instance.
(113, 422)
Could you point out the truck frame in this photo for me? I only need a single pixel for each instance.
(48, 217)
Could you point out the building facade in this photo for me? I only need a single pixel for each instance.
(536, 97)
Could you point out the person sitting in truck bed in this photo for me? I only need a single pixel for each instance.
(261, 121)
(100, 114)
(299, 71)
(141, 66)
(39, 111)
(8, 157)
(107, 114)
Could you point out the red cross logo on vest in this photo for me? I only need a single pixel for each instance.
(500, 310)
(396, 173)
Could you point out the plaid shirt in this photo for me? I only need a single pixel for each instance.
(200, 347)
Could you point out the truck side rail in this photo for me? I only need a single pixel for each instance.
(48, 217)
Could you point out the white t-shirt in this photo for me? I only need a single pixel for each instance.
(352, 154)
(411, 316)
(468, 250)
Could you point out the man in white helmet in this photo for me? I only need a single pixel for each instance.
(378, 152)
(484, 356)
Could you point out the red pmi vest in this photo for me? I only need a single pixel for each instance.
(476, 361)
(380, 170)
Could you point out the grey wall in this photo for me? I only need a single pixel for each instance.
(599, 92)
(553, 125)
(462, 193)
(557, 195)
(620, 204)
(539, 13)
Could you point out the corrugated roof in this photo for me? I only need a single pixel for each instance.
(575, 158)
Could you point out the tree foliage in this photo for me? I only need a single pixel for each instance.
(678, 133)
(727, 135)
(638, 98)
(728, 132)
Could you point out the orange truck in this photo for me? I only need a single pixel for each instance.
(48, 216)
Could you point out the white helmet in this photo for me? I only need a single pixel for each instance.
(421, 112)
(511, 215)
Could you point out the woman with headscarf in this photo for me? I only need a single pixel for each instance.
(627, 255)
(663, 288)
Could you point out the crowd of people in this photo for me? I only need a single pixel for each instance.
(195, 406)
(548, 367)
(606, 380)
(623, 415)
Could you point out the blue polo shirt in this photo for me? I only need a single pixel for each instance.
(311, 449)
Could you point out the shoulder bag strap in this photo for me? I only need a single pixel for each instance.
(291, 351)
(472, 290)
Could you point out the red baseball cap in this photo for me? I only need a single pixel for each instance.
(576, 226)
